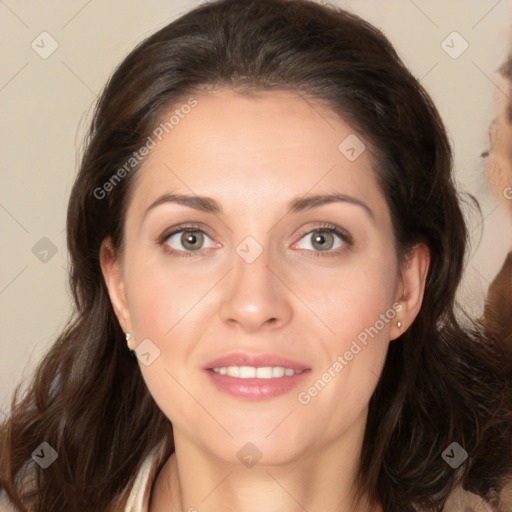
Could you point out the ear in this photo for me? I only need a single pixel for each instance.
(413, 277)
(113, 275)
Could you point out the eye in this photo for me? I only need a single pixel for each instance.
(186, 239)
(325, 239)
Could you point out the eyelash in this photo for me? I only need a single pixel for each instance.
(326, 228)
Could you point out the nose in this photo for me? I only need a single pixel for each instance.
(255, 296)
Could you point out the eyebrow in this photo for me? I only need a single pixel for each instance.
(299, 204)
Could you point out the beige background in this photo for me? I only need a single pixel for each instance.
(46, 104)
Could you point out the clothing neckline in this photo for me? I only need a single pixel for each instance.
(140, 494)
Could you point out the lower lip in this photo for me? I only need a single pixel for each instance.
(256, 389)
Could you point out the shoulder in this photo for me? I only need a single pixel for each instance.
(464, 501)
(6, 504)
(139, 494)
(28, 484)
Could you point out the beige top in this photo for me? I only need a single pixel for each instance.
(138, 500)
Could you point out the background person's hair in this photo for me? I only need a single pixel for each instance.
(506, 71)
(441, 382)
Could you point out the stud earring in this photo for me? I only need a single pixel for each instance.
(399, 324)
(128, 337)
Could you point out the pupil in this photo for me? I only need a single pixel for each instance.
(321, 240)
(190, 239)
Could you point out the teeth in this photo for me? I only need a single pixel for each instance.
(277, 371)
(250, 372)
(264, 373)
(247, 372)
(233, 371)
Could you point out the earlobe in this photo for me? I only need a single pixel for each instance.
(413, 280)
(113, 276)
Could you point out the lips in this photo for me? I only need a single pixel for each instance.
(275, 375)
(255, 360)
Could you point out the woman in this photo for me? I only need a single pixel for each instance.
(266, 216)
(498, 173)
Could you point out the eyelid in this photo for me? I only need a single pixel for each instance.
(326, 226)
(189, 226)
(343, 234)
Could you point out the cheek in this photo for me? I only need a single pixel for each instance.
(356, 296)
(358, 305)
(160, 293)
(149, 299)
(161, 300)
(498, 171)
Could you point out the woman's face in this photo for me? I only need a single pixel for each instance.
(498, 170)
(257, 281)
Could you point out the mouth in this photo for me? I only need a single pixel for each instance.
(255, 376)
(251, 372)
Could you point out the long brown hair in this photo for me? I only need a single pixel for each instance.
(444, 379)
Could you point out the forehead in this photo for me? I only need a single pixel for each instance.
(257, 149)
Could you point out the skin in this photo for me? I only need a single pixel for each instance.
(253, 155)
(498, 170)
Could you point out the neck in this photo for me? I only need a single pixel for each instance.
(194, 480)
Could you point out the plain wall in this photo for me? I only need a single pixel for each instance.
(47, 102)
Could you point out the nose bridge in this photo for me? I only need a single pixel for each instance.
(254, 295)
(252, 265)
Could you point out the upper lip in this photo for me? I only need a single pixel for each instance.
(256, 360)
